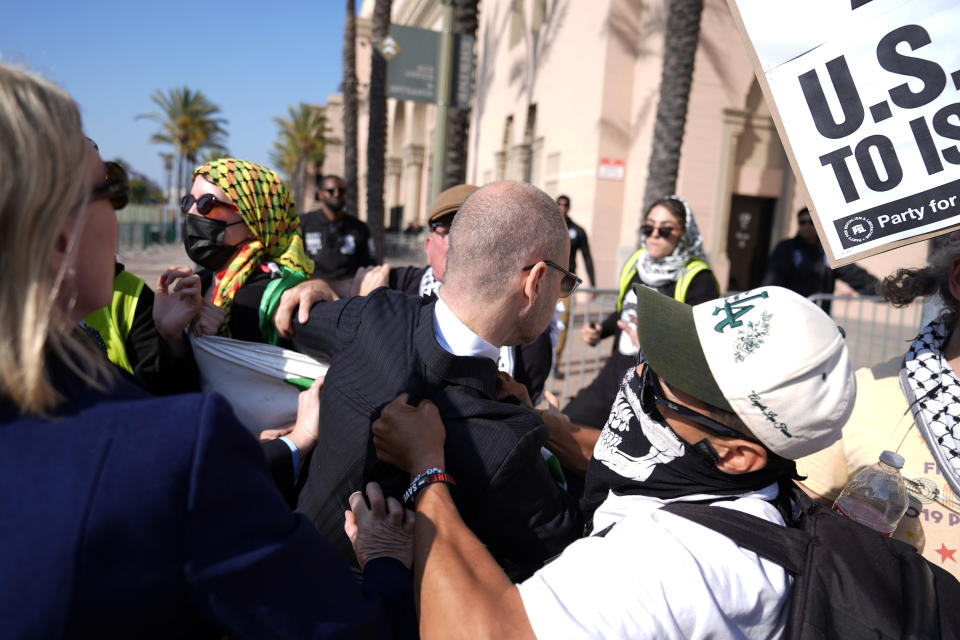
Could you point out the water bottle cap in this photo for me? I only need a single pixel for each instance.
(895, 460)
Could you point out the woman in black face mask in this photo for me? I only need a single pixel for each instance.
(240, 225)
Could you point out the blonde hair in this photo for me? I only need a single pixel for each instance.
(43, 184)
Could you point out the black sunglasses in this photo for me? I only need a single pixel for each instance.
(116, 186)
(205, 203)
(442, 226)
(651, 390)
(664, 232)
(570, 281)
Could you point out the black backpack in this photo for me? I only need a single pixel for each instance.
(850, 582)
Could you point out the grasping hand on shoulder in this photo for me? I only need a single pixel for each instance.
(304, 296)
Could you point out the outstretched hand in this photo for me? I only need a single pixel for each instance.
(384, 528)
(507, 386)
(304, 296)
(375, 277)
(410, 438)
(176, 302)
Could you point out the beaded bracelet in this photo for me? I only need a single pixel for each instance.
(430, 476)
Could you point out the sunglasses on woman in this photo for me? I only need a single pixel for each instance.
(663, 232)
(115, 188)
(652, 391)
(205, 203)
(569, 283)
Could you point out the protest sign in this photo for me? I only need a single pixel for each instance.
(866, 97)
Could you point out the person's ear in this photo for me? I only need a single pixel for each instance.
(955, 278)
(739, 456)
(61, 245)
(533, 283)
(426, 242)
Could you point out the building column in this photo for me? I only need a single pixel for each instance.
(412, 170)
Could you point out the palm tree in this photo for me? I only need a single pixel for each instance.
(682, 38)
(376, 145)
(458, 120)
(189, 122)
(300, 144)
(350, 106)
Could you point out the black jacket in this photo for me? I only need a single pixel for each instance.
(383, 345)
(337, 247)
(803, 267)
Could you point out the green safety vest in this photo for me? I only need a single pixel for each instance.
(114, 321)
(690, 270)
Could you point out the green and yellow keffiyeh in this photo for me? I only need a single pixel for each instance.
(265, 205)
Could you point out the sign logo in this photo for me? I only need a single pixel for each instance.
(858, 229)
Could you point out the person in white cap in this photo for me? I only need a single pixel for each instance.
(725, 396)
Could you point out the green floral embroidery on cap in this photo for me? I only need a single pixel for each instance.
(751, 338)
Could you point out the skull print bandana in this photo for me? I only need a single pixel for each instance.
(638, 453)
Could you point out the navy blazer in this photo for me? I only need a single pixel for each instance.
(383, 345)
(133, 516)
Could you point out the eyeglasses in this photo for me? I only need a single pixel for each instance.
(663, 232)
(441, 227)
(651, 390)
(205, 203)
(570, 281)
(116, 187)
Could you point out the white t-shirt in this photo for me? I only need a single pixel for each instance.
(658, 575)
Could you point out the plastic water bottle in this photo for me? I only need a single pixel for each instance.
(876, 496)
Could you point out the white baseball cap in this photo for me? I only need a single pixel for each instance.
(769, 355)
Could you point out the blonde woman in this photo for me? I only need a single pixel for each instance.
(125, 514)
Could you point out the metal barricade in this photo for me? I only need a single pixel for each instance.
(579, 362)
(875, 331)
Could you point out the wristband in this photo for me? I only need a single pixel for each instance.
(430, 476)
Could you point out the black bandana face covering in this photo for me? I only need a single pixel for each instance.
(638, 453)
(203, 240)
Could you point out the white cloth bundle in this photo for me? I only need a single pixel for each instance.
(260, 381)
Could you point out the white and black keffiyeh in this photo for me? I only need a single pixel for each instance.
(428, 283)
(933, 391)
(656, 272)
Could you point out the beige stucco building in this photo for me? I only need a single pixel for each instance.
(565, 97)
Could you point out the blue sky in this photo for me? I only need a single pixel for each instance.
(253, 59)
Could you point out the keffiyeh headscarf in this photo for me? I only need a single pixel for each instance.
(933, 392)
(265, 205)
(656, 272)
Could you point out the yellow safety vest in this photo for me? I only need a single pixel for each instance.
(114, 321)
(690, 270)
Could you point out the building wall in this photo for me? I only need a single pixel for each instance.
(563, 85)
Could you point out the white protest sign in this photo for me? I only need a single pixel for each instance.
(867, 98)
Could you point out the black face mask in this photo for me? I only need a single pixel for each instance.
(203, 240)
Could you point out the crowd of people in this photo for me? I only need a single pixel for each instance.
(420, 492)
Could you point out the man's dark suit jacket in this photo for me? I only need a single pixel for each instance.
(131, 516)
(383, 345)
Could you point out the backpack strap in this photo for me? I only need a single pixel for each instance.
(785, 546)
